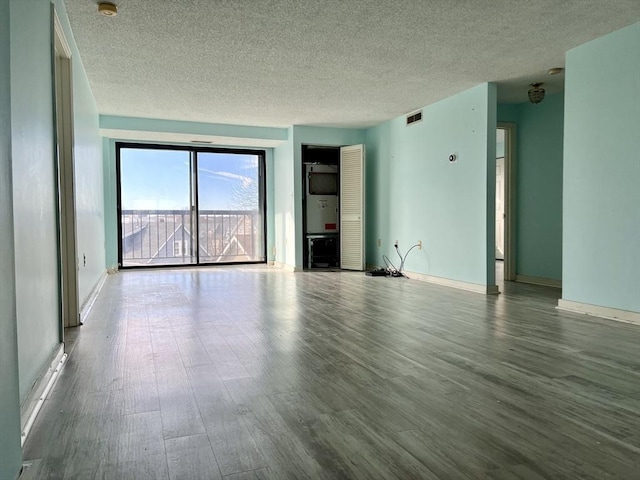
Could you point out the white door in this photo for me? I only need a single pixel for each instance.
(500, 211)
(352, 207)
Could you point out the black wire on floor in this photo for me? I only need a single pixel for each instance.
(391, 268)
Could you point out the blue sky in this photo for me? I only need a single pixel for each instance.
(159, 179)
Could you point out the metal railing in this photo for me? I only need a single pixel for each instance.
(166, 237)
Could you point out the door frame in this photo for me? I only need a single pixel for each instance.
(65, 177)
(509, 196)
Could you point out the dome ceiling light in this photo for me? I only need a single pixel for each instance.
(107, 9)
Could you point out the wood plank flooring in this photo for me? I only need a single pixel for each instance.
(255, 373)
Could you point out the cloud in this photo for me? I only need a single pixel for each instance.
(229, 177)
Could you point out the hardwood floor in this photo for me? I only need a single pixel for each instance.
(254, 373)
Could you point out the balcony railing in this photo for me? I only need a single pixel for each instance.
(166, 237)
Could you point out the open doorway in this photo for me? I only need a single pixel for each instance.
(504, 248)
(333, 207)
(320, 220)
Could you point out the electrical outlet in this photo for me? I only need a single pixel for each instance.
(396, 244)
(379, 242)
(419, 244)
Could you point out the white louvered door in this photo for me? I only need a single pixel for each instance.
(352, 207)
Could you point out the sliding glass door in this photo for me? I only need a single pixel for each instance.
(189, 206)
(230, 214)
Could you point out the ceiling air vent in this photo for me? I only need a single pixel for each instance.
(414, 117)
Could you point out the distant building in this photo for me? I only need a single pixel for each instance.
(164, 237)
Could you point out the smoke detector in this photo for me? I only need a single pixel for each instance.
(107, 9)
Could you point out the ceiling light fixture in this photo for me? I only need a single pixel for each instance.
(536, 94)
(107, 9)
(555, 70)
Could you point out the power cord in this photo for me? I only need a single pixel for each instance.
(391, 268)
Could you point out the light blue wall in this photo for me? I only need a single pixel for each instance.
(414, 193)
(89, 194)
(34, 184)
(10, 453)
(508, 112)
(538, 189)
(601, 253)
(34, 192)
(303, 135)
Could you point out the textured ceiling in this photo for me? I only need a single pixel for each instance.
(325, 62)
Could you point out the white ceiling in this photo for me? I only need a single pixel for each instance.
(325, 62)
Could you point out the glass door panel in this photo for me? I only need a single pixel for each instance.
(230, 208)
(155, 207)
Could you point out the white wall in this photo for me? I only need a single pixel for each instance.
(284, 203)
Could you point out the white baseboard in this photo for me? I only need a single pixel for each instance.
(88, 305)
(471, 287)
(287, 267)
(547, 282)
(32, 404)
(599, 311)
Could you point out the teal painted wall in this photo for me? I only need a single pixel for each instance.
(414, 193)
(508, 112)
(89, 194)
(601, 191)
(34, 193)
(10, 452)
(34, 180)
(538, 188)
(304, 135)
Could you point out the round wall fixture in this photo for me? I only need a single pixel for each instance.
(107, 9)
